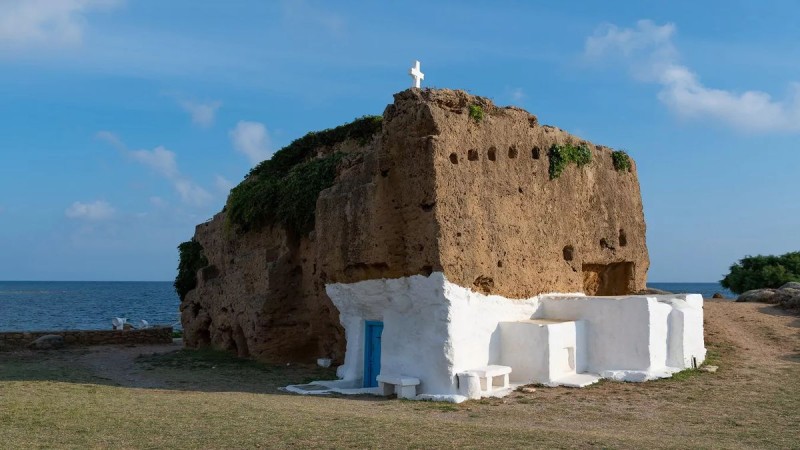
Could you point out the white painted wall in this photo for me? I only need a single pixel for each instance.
(648, 335)
(434, 329)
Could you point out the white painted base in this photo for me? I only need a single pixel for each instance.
(434, 330)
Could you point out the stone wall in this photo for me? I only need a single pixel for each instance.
(14, 340)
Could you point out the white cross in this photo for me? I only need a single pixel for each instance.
(416, 75)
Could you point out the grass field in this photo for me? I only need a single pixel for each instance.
(130, 398)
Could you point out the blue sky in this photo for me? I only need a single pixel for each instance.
(125, 122)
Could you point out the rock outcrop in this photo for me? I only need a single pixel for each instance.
(434, 190)
(786, 296)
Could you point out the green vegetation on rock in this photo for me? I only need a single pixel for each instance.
(757, 272)
(476, 112)
(284, 189)
(192, 259)
(622, 162)
(562, 155)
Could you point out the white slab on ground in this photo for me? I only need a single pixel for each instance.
(576, 380)
(403, 386)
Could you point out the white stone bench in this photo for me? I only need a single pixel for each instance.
(487, 375)
(404, 386)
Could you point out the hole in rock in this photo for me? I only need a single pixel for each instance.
(520, 190)
(203, 337)
(499, 263)
(427, 207)
(605, 245)
(472, 155)
(623, 239)
(492, 153)
(536, 153)
(453, 158)
(426, 270)
(512, 151)
(484, 284)
(569, 253)
(608, 279)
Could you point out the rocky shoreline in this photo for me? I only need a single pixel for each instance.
(786, 296)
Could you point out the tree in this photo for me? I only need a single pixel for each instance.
(192, 259)
(757, 272)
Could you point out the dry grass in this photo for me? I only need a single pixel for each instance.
(108, 398)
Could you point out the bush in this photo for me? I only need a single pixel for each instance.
(301, 149)
(284, 189)
(561, 155)
(476, 112)
(192, 259)
(622, 162)
(757, 272)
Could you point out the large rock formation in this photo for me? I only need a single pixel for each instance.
(435, 190)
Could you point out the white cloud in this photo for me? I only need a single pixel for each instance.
(97, 210)
(159, 159)
(190, 192)
(164, 162)
(223, 184)
(648, 52)
(44, 22)
(252, 140)
(517, 95)
(203, 114)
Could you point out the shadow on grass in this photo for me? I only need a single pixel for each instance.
(202, 370)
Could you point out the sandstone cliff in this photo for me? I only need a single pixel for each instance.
(434, 190)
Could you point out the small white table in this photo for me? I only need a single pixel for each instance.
(487, 375)
(404, 386)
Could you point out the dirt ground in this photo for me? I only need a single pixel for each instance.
(161, 396)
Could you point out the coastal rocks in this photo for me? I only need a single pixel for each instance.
(787, 296)
(15, 340)
(47, 342)
(757, 295)
(717, 295)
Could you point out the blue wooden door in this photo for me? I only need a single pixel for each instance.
(372, 353)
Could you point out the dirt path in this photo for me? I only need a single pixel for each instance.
(118, 364)
(762, 334)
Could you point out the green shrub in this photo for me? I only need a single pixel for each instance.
(622, 162)
(284, 189)
(192, 259)
(757, 272)
(561, 155)
(302, 149)
(476, 112)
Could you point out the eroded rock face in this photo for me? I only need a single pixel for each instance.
(434, 191)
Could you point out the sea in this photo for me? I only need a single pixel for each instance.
(85, 305)
(81, 305)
